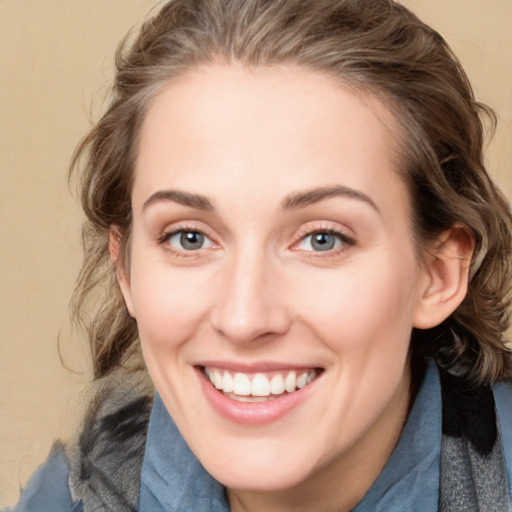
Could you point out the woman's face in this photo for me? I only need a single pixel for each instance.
(272, 250)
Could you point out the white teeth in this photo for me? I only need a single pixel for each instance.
(251, 399)
(217, 379)
(301, 380)
(227, 383)
(290, 382)
(261, 386)
(241, 385)
(277, 384)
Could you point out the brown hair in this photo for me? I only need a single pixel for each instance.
(375, 46)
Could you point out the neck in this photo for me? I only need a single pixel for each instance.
(342, 483)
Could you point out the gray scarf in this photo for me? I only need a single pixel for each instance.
(473, 472)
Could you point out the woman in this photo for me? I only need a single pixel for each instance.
(288, 209)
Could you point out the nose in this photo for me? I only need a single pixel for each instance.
(250, 305)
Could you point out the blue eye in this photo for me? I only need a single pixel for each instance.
(189, 240)
(322, 241)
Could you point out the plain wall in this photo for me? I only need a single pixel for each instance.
(55, 59)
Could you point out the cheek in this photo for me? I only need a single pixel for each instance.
(364, 307)
(169, 303)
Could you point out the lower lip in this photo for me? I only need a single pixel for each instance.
(252, 413)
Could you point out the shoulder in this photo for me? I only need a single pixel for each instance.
(101, 468)
(503, 400)
(48, 489)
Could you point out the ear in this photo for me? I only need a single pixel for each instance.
(446, 277)
(122, 275)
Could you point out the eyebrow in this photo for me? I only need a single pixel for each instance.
(290, 202)
(305, 198)
(196, 201)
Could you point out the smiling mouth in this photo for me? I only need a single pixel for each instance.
(259, 386)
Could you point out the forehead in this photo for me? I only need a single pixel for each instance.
(233, 131)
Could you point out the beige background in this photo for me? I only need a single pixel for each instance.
(55, 61)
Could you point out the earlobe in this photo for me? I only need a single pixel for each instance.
(446, 277)
(122, 275)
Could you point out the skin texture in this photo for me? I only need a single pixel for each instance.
(249, 143)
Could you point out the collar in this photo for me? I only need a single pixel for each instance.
(410, 478)
(173, 480)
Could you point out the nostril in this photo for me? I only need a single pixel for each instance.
(258, 328)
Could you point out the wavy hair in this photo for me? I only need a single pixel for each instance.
(374, 46)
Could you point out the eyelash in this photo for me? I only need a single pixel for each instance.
(344, 240)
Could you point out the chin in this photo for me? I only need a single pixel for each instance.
(259, 468)
(261, 479)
